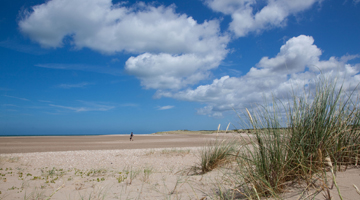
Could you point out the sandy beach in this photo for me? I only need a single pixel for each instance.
(100, 142)
(112, 167)
(102, 167)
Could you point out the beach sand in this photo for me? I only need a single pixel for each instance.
(100, 142)
(112, 167)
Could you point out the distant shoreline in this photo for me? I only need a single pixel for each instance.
(27, 144)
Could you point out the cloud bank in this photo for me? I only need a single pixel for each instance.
(296, 65)
(172, 52)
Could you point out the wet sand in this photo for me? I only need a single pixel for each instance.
(28, 144)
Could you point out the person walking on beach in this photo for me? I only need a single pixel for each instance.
(131, 136)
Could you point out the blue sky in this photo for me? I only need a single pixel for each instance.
(110, 67)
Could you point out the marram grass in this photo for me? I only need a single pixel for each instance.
(216, 153)
(319, 125)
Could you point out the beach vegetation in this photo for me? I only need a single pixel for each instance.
(53, 180)
(176, 186)
(51, 173)
(96, 172)
(294, 140)
(13, 188)
(217, 153)
(36, 178)
(122, 177)
(146, 175)
(78, 172)
(131, 174)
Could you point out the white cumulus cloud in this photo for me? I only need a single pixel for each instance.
(109, 28)
(294, 56)
(166, 71)
(246, 17)
(171, 50)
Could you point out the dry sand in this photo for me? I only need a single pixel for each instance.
(112, 167)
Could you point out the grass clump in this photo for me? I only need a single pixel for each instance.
(216, 153)
(122, 177)
(146, 175)
(319, 125)
(131, 174)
